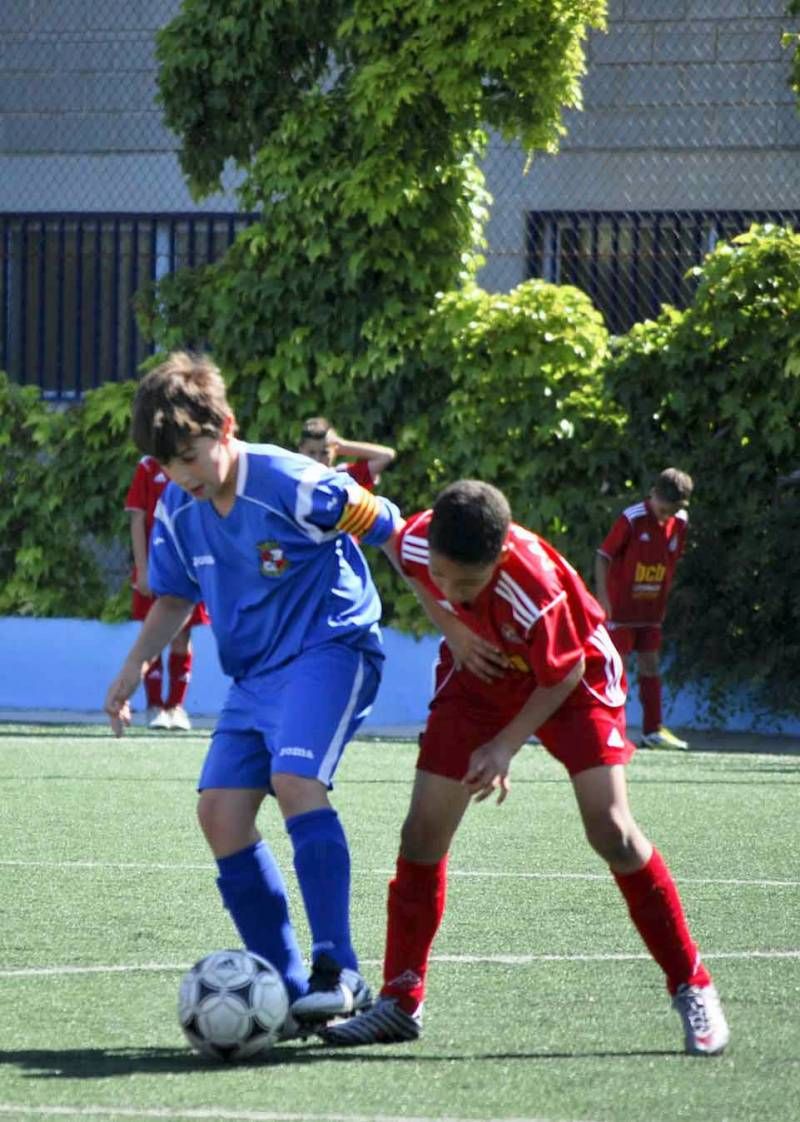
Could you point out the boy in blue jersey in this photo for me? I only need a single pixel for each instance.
(264, 537)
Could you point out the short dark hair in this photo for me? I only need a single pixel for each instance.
(315, 428)
(673, 486)
(182, 398)
(470, 522)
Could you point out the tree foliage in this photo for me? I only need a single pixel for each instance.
(716, 390)
(356, 129)
(64, 476)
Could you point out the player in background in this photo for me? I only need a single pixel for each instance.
(263, 536)
(144, 492)
(525, 652)
(634, 568)
(322, 443)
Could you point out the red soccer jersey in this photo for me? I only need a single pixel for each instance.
(643, 553)
(536, 609)
(359, 470)
(147, 485)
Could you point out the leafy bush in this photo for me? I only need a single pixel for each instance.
(716, 390)
(64, 477)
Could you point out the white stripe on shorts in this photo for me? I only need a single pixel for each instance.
(331, 757)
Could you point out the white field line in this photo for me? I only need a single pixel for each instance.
(458, 959)
(489, 874)
(217, 1114)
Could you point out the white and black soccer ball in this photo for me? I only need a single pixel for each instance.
(232, 1005)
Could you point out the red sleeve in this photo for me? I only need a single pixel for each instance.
(412, 549)
(617, 537)
(359, 470)
(555, 646)
(136, 498)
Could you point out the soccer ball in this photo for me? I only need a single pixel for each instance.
(232, 1005)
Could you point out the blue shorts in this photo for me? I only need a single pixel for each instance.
(296, 719)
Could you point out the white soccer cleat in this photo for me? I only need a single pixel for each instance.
(385, 1023)
(333, 991)
(663, 738)
(705, 1029)
(157, 718)
(179, 718)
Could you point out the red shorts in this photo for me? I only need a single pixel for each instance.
(141, 605)
(465, 713)
(646, 637)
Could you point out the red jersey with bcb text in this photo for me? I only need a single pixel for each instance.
(643, 553)
(536, 610)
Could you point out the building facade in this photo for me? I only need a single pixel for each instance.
(689, 132)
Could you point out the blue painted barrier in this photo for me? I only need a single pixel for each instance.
(66, 664)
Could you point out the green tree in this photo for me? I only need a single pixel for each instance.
(716, 390)
(356, 129)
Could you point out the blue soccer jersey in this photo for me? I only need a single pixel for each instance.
(280, 573)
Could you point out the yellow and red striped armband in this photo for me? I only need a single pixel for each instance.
(361, 511)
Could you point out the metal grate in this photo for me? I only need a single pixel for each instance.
(67, 283)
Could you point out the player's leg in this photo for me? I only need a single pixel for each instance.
(233, 783)
(654, 732)
(418, 890)
(323, 697)
(653, 903)
(416, 905)
(417, 893)
(180, 674)
(153, 679)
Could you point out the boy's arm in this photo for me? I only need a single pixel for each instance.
(139, 546)
(164, 620)
(601, 567)
(470, 651)
(378, 456)
(489, 764)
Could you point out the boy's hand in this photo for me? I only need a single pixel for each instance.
(471, 652)
(142, 586)
(488, 771)
(116, 703)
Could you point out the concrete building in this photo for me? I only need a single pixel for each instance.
(689, 131)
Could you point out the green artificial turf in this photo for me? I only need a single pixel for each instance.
(542, 1004)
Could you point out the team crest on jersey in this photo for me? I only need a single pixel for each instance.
(510, 633)
(273, 561)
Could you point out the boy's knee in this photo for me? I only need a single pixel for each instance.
(228, 824)
(298, 794)
(611, 838)
(421, 839)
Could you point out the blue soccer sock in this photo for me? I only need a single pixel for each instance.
(322, 864)
(253, 891)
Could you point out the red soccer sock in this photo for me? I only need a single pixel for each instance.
(650, 697)
(657, 912)
(416, 906)
(180, 674)
(152, 683)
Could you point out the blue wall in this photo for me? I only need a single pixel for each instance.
(67, 664)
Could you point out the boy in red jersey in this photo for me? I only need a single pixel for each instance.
(634, 568)
(320, 441)
(144, 492)
(525, 652)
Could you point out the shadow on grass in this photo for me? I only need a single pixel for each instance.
(105, 1063)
